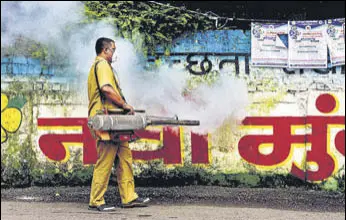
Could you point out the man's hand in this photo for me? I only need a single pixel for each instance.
(129, 109)
(117, 99)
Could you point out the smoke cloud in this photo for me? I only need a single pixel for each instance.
(159, 92)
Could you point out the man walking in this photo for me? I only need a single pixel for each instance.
(105, 94)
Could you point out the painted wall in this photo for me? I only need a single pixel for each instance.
(295, 127)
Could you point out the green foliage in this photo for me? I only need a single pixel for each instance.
(340, 178)
(157, 25)
(17, 102)
(145, 24)
(336, 182)
(72, 173)
(330, 185)
(154, 174)
(17, 162)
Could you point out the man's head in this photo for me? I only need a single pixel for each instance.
(105, 48)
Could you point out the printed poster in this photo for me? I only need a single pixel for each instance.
(336, 41)
(307, 44)
(267, 49)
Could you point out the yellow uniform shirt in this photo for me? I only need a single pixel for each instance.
(105, 77)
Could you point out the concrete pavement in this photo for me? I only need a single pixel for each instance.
(20, 210)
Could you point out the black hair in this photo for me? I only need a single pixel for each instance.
(102, 43)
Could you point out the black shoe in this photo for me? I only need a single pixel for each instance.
(102, 208)
(139, 202)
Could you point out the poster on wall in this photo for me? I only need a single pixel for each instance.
(336, 41)
(267, 48)
(307, 44)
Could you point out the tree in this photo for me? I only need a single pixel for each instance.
(155, 24)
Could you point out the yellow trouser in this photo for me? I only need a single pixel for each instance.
(107, 151)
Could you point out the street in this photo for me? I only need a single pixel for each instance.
(190, 202)
(74, 211)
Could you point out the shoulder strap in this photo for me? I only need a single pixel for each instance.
(98, 84)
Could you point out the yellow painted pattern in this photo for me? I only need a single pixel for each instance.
(337, 105)
(4, 101)
(3, 135)
(11, 118)
(78, 128)
(266, 148)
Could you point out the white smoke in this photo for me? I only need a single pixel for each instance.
(40, 21)
(159, 92)
(48, 23)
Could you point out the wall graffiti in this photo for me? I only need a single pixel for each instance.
(212, 50)
(282, 142)
(55, 146)
(207, 65)
(205, 51)
(292, 128)
(201, 61)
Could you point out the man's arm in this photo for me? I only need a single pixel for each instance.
(110, 94)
